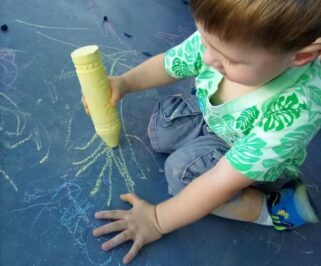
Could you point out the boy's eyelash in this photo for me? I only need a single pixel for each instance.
(230, 62)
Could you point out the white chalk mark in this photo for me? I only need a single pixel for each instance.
(167, 37)
(122, 52)
(30, 62)
(20, 128)
(143, 176)
(94, 137)
(9, 179)
(37, 139)
(66, 75)
(111, 71)
(10, 101)
(100, 177)
(126, 66)
(300, 235)
(48, 27)
(62, 72)
(122, 167)
(145, 146)
(52, 91)
(9, 50)
(315, 187)
(115, 48)
(89, 163)
(19, 143)
(110, 29)
(100, 147)
(57, 40)
(307, 252)
(110, 181)
(46, 156)
(69, 130)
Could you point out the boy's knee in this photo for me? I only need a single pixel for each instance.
(155, 133)
(173, 173)
(152, 131)
(189, 162)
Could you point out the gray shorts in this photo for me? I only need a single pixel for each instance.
(177, 128)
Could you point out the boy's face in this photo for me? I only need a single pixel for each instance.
(243, 64)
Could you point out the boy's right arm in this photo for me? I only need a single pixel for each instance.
(149, 74)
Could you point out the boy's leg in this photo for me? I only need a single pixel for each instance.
(198, 156)
(251, 204)
(175, 121)
(192, 160)
(291, 206)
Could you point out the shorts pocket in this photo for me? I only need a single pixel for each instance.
(178, 109)
(199, 165)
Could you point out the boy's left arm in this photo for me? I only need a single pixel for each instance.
(145, 223)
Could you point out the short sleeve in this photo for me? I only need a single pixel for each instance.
(278, 141)
(185, 60)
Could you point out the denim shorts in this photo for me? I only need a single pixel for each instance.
(177, 128)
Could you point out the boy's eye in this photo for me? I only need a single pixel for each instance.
(229, 62)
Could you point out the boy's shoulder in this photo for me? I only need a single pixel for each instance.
(312, 74)
(306, 86)
(299, 100)
(184, 60)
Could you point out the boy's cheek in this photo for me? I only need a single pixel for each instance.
(243, 78)
(212, 60)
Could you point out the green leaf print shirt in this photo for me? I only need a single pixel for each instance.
(268, 129)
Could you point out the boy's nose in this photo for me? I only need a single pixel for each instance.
(217, 65)
(212, 59)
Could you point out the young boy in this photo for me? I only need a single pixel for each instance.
(257, 106)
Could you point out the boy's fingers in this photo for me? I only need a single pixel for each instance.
(110, 228)
(129, 197)
(113, 102)
(117, 240)
(84, 103)
(112, 214)
(83, 100)
(136, 247)
(113, 98)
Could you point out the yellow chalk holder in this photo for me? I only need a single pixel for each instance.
(93, 80)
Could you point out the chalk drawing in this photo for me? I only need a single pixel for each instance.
(17, 126)
(114, 159)
(74, 213)
(21, 129)
(172, 39)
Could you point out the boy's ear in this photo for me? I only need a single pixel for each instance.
(307, 54)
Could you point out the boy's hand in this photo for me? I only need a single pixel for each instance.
(138, 224)
(119, 88)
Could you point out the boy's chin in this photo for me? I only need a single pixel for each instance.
(245, 83)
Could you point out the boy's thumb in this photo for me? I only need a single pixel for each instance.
(113, 101)
(129, 197)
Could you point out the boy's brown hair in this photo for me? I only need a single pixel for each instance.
(277, 25)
